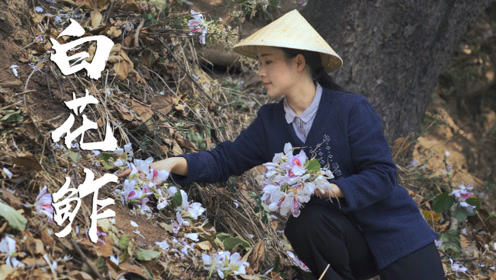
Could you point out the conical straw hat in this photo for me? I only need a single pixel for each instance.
(294, 32)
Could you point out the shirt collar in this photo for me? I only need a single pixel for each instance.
(309, 112)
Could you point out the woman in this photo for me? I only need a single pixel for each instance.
(376, 229)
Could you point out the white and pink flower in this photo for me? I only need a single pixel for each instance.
(140, 165)
(456, 267)
(224, 263)
(164, 245)
(297, 261)
(470, 208)
(144, 181)
(176, 225)
(195, 209)
(164, 197)
(183, 246)
(290, 180)
(156, 177)
(8, 250)
(197, 25)
(43, 203)
(462, 193)
(438, 243)
(130, 193)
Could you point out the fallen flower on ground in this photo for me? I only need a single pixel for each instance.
(164, 245)
(98, 234)
(182, 246)
(236, 265)
(7, 247)
(144, 209)
(224, 264)
(297, 261)
(456, 267)
(115, 259)
(129, 151)
(7, 173)
(195, 209)
(438, 243)
(176, 225)
(164, 195)
(119, 162)
(131, 193)
(192, 236)
(210, 264)
(14, 69)
(43, 203)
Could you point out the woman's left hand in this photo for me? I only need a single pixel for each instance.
(335, 191)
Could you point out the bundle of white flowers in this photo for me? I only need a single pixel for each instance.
(289, 181)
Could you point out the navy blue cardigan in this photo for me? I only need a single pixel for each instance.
(353, 144)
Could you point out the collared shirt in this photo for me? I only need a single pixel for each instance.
(303, 122)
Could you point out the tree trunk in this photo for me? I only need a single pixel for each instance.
(393, 51)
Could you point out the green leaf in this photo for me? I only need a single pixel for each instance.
(12, 116)
(442, 202)
(277, 262)
(14, 218)
(124, 242)
(254, 195)
(313, 165)
(210, 271)
(101, 265)
(147, 255)
(167, 227)
(123, 257)
(74, 156)
(233, 242)
(148, 16)
(177, 200)
(106, 162)
(451, 240)
(449, 236)
(474, 202)
(265, 218)
(222, 236)
(461, 213)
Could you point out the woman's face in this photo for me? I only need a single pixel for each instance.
(278, 73)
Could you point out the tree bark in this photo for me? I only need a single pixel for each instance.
(393, 51)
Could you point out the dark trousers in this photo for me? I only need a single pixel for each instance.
(323, 235)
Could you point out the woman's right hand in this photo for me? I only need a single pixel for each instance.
(176, 165)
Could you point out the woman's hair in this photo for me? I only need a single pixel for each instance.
(315, 63)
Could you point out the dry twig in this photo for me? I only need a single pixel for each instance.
(85, 259)
(325, 270)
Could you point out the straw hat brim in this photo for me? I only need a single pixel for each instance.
(294, 32)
